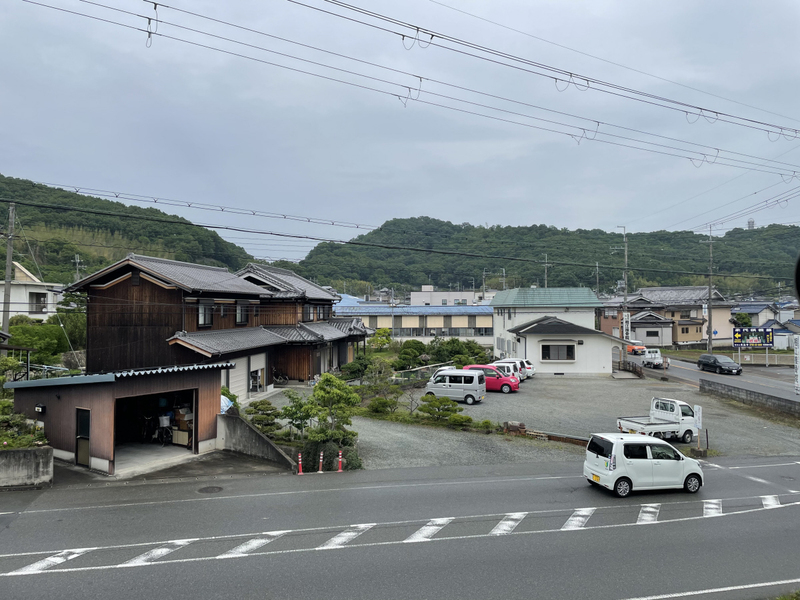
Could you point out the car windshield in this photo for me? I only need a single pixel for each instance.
(725, 360)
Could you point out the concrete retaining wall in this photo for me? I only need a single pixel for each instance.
(238, 435)
(26, 466)
(791, 407)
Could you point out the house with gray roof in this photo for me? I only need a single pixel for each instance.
(518, 306)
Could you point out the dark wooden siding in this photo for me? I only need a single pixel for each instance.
(128, 325)
(279, 314)
(294, 361)
(59, 418)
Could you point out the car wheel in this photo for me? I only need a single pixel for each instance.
(692, 484)
(469, 400)
(738, 372)
(687, 437)
(505, 388)
(658, 435)
(700, 366)
(718, 370)
(623, 487)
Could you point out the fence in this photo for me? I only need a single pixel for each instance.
(632, 367)
(420, 373)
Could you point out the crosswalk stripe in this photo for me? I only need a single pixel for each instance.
(345, 536)
(254, 544)
(508, 524)
(578, 519)
(426, 532)
(52, 561)
(157, 553)
(648, 513)
(712, 508)
(770, 501)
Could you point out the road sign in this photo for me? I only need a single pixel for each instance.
(752, 337)
(716, 332)
(626, 325)
(698, 417)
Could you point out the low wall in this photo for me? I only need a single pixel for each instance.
(26, 466)
(238, 435)
(750, 397)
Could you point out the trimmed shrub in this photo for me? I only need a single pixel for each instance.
(459, 420)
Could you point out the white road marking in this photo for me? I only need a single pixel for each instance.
(157, 553)
(790, 464)
(756, 479)
(426, 532)
(578, 519)
(648, 513)
(254, 544)
(508, 524)
(730, 588)
(718, 466)
(770, 501)
(345, 536)
(712, 508)
(367, 545)
(52, 561)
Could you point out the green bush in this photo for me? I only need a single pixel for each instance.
(262, 414)
(439, 408)
(414, 345)
(356, 368)
(353, 459)
(457, 420)
(232, 397)
(340, 437)
(330, 457)
(459, 360)
(486, 424)
(6, 407)
(379, 405)
(16, 432)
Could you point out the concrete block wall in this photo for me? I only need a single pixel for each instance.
(752, 398)
(26, 466)
(238, 435)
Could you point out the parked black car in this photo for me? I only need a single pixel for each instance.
(718, 364)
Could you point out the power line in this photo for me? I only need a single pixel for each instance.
(580, 133)
(353, 242)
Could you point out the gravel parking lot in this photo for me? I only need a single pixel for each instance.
(576, 406)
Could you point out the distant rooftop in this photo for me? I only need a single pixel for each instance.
(387, 310)
(547, 297)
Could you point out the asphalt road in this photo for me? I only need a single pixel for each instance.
(777, 381)
(531, 530)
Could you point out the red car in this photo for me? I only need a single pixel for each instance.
(496, 380)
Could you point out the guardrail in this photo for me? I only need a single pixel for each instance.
(631, 367)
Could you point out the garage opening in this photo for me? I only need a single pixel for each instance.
(154, 427)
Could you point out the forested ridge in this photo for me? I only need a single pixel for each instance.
(48, 239)
(655, 258)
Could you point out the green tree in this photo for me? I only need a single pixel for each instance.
(336, 400)
(263, 414)
(743, 319)
(381, 339)
(439, 408)
(300, 410)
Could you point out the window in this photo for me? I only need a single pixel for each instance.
(636, 451)
(463, 302)
(686, 314)
(501, 344)
(600, 447)
(558, 352)
(684, 330)
(457, 379)
(37, 303)
(660, 452)
(241, 314)
(308, 312)
(468, 379)
(320, 313)
(698, 330)
(672, 314)
(204, 315)
(686, 411)
(444, 302)
(651, 334)
(610, 312)
(440, 379)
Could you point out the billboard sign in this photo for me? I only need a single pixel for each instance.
(752, 337)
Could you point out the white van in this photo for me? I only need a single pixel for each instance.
(624, 462)
(509, 367)
(525, 366)
(458, 385)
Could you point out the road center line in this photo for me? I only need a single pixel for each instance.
(254, 544)
(508, 524)
(578, 519)
(648, 513)
(342, 538)
(757, 479)
(426, 532)
(156, 553)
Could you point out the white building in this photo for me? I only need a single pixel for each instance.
(519, 306)
(30, 296)
(430, 297)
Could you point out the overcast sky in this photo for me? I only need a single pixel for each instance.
(86, 103)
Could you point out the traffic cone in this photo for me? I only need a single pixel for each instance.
(299, 463)
(320, 462)
(340, 462)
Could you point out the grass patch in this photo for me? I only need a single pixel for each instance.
(403, 416)
(793, 596)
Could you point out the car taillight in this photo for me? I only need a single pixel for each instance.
(612, 464)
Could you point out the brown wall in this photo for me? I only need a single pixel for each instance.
(294, 361)
(128, 325)
(60, 414)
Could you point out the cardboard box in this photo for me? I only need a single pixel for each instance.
(183, 425)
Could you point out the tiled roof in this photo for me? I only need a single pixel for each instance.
(533, 297)
(386, 310)
(224, 341)
(688, 294)
(189, 276)
(325, 331)
(351, 325)
(287, 283)
(308, 332)
(751, 308)
(556, 326)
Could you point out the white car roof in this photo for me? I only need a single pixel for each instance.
(632, 437)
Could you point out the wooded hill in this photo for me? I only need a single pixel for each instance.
(656, 258)
(51, 237)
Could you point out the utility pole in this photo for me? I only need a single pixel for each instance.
(626, 334)
(597, 275)
(546, 264)
(9, 270)
(504, 278)
(710, 243)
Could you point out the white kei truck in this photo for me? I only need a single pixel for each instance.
(652, 358)
(667, 418)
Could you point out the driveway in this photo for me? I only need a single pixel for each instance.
(574, 406)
